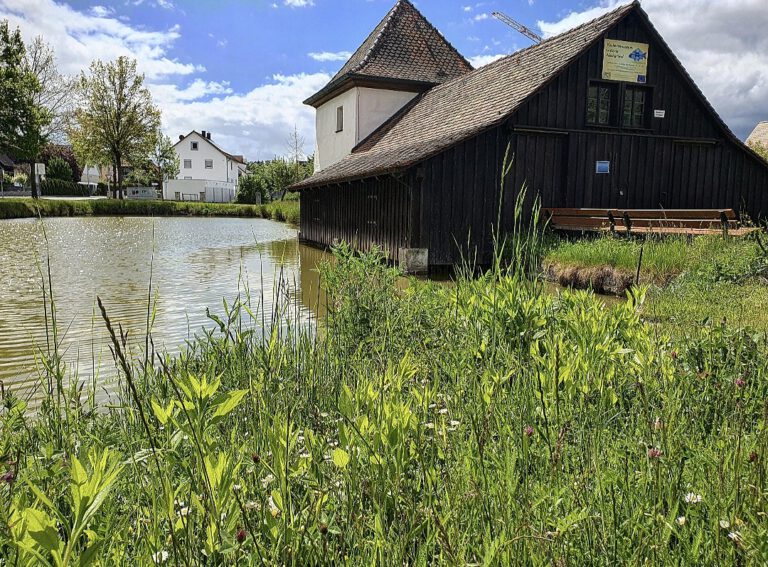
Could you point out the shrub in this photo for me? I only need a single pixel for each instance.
(59, 169)
(59, 188)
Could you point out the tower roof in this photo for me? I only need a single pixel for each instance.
(403, 49)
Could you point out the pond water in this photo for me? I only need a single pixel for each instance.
(197, 263)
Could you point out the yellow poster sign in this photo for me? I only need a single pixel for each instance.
(625, 61)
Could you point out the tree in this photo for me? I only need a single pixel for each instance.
(117, 121)
(55, 93)
(22, 120)
(64, 152)
(57, 168)
(760, 149)
(165, 158)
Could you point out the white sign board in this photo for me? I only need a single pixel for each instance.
(39, 169)
(659, 113)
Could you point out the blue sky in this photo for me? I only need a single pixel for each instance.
(240, 68)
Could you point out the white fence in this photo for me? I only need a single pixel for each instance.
(199, 190)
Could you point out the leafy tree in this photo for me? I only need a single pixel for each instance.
(251, 189)
(22, 120)
(57, 168)
(142, 176)
(55, 93)
(165, 159)
(117, 121)
(760, 149)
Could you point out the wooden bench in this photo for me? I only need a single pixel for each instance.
(644, 221)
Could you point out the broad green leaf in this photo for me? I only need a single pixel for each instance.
(229, 402)
(340, 458)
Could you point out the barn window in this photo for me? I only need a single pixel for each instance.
(635, 107)
(600, 103)
(340, 119)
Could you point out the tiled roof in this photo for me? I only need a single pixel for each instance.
(760, 134)
(465, 106)
(404, 47)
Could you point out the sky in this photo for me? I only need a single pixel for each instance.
(241, 68)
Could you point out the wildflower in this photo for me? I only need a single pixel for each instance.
(160, 556)
(255, 458)
(323, 415)
(273, 509)
(432, 406)
(654, 453)
(300, 439)
(528, 431)
(442, 411)
(267, 480)
(673, 354)
(251, 505)
(305, 455)
(735, 537)
(240, 535)
(183, 512)
(237, 487)
(658, 425)
(725, 524)
(753, 457)
(739, 382)
(429, 425)
(8, 477)
(680, 520)
(692, 498)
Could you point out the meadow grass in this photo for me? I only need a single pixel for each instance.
(488, 423)
(26, 207)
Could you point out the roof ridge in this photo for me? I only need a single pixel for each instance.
(384, 27)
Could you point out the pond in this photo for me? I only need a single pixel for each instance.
(197, 262)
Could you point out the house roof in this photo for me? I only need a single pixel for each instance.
(236, 158)
(6, 161)
(403, 48)
(760, 134)
(464, 106)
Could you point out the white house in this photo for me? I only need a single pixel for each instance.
(207, 173)
(403, 57)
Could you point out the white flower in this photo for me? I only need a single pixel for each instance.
(429, 425)
(160, 557)
(442, 411)
(735, 537)
(305, 455)
(273, 509)
(680, 520)
(183, 512)
(432, 406)
(323, 415)
(454, 423)
(237, 487)
(725, 524)
(251, 505)
(267, 480)
(692, 498)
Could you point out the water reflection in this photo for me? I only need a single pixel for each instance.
(196, 263)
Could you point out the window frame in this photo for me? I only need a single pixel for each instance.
(618, 96)
(613, 89)
(207, 162)
(187, 161)
(647, 105)
(194, 146)
(339, 118)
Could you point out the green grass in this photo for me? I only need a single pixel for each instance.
(24, 207)
(487, 423)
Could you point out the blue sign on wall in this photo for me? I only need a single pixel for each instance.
(603, 167)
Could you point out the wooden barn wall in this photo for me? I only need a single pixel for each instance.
(683, 160)
(460, 196)
(362, 213)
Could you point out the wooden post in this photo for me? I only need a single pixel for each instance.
(628, 223)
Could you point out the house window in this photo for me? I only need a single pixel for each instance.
(600, 103)
(340, 119)
(635, 107)
(177, 195)
(193, 145)
(188, 177)
(187, 164)
(209, 164)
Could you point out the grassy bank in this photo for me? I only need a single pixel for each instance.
(707, 279)
(488, 423)
(10, 208)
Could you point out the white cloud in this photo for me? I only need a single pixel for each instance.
(480, 60)
(256, 123)
(481, 17)
(330, 56)
(298, 3)
(102, 11)
(721, 44)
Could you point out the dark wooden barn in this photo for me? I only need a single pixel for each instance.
(601, 116)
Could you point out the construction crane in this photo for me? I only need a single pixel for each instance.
(533, 36)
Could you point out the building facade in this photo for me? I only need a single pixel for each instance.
(601, 116)
(207, 173)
